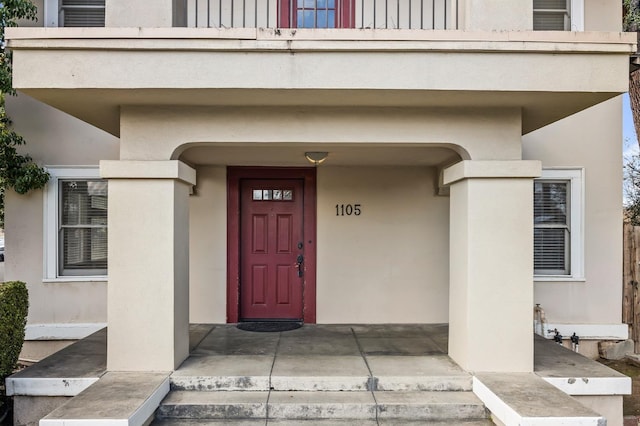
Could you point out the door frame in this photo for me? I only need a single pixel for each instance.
(234, 175)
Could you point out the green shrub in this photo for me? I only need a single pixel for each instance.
(14, 306)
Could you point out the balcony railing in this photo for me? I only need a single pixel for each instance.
(388, 14)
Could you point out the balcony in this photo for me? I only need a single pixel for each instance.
(359, 14)
(425, 54)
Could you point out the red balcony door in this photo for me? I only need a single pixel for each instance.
(271, 249)
(316, 13)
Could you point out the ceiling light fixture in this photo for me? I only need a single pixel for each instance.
(316, 157)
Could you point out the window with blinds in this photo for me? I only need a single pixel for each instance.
(81, 13)
(551, 15)
(82, 230)
(551, 233)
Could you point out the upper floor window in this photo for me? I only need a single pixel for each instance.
(75, 224)
(558, 15)
(557, 227)
(317, 13)
(74, 13)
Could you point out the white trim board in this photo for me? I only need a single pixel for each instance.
(575, 386)
(62, 331)
(589, 331)
(31, 386)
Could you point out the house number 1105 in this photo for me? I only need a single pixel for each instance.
(348, 209)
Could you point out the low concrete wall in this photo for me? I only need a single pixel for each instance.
(609, 406)
(28, 410)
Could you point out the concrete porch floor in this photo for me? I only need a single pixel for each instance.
(326, 358)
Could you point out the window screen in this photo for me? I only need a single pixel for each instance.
(551, 234)
(81, 13)
(82, 227)
(551, 15)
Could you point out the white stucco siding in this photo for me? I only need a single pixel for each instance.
(591, 139)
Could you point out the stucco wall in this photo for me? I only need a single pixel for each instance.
(591, 139)
(208, 246)
(602, 15)
(53, 138)
(390, 264)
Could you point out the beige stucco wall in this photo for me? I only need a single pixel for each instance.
(139, 13)
(53, 138)
(602, 15)
(390, 264)
(591, 139)
(208, 246)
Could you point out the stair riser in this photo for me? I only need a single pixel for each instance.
(322, 411)
(211, 411)
(411, 384)
(432, 412)
(261, 383)
(213, 384)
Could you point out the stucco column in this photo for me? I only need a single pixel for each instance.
(491, 264)
(148, 288)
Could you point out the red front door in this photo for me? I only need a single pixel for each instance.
(271, 248)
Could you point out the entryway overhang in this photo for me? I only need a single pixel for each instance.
(91, 73)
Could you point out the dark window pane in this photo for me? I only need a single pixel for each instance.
(83, 227)
(551, 227)
(84, 251)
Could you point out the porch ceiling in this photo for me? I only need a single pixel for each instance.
(101, 107)
(91, 73)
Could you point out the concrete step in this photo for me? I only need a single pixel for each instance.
(338, 373)
(288, 406)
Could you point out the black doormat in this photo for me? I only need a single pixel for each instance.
(269, 326)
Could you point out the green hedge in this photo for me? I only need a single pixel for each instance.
(14, 306)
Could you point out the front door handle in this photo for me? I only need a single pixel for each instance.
(299, 262)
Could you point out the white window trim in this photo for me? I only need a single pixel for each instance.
(51, 13)
(576, 177)
(51, 201)
(577, 15)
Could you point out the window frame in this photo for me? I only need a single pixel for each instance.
(51, 218)
(575, 178)
(52, 13)
(344, 14)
